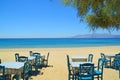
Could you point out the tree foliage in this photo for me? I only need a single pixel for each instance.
(103, 14)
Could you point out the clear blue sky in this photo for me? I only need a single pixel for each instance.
(40, 19)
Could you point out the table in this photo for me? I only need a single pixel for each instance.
(79, 59)
(13, 68)
(110, 56)
(77, 64)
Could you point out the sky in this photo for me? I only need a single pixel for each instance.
(41, 19)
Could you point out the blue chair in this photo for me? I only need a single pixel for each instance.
(37, 63)
(2, 73)
(22, 59)
(106, 61)
(0, 61)
(16, 56)
(2, 69)
(99, 72)
(115, 62)
(31, 53)
(71, 74)
(90, 58)
(25, 73)
(35, 54)
(119, 67)
(86, 71)
(45, 61)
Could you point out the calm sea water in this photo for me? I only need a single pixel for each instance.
(57, 42)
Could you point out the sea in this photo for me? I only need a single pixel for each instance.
(57, 42)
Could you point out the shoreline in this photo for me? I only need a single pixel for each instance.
(60, 47)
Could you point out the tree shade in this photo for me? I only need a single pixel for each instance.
(103, 14)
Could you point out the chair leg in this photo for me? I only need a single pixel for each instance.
(119, 73)
(72, 77)
(102, 77)
(98, 77)
(68, 77)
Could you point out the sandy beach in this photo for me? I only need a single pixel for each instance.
(57, 59)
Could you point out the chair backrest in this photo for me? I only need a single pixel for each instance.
(0, 61)
(68, 64)
(22, 59)
(86, 71)
(16, 56)
(35, 54)
(117, 56)
(102, 55)
(90, 58)
(31, 53)
(100, 64)
(47, 57)
(26, 70)
(37, 60)
(2, 72)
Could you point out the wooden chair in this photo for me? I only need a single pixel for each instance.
(25, 73)
(16, 56)
(71, 74)
(86, 71)
(2, 72)
(0, 61)
(115, 62)
(46, 60)
(107, 61)
(31, 53)
(4, 76)
(90, 58)
(22, 59)
(99, 71)
(37, 63)
(35, 54)
(119, 67)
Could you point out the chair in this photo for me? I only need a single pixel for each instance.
(90, 58)
(0, 61)
(35, 54)
(86, 71)
(4, 76)
(37, 60)
(16, 56)
(31, 53)
(70, 71)
(25, 73)
(2, 72)
(119, 67)
(45, 61)
(22, 59)
(107, 61)
(99, 71)
(115, 62)
(37, 63)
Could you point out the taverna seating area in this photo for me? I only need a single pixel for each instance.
(83, 68)
(34, 65)
(24, 66)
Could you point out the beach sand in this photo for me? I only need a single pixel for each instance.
(57, 59)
